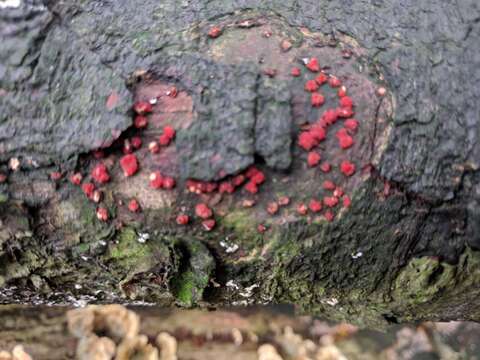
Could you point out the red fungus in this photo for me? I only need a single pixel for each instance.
(283, 200)
(347, 168)
(182, 219)
(142, 107)
(342, 91)
(345, 141)
(156, 180)
(313, 65)
(313, 158)
(258, 178)
(102, 213)
(307, 141)
(330, 201)
(214, 32)
(173, 92)
(317, 99)
(153, 147)
(203, 211)
(311, 86)
(76, 179)
(272, 208)
(261, 228)
(226, 187)
(129, 164)
(238, 180)
(136, 142)
(169, 131)
(168, 183)
(251, 187)
(127, 147)
(302, 209)
(334, 82)
(346, 102)
(328, 185)
(98, 154)
(321, 79)
(381, 91)
(315, 206)
(55, 176)
(351, 124)
(295, 72)
(345, 112)
(330, 116)
(97, 196)
(100, 174)
(208, 225)
(346, 201)
(164, 140)
(338, 192)
(318, 132)
(140, 122)
(133, 205)
(329, 216)
(325, 167)
(88, 189)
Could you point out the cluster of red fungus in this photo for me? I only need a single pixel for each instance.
(250, 180)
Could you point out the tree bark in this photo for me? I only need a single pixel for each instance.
(406, 249)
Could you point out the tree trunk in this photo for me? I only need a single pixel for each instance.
(400, 245)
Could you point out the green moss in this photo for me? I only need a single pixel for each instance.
(129, 252)
(241, 223)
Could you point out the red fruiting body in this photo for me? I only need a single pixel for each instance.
(156, 180)
(88, 189)
(311, 86)
(342, 91)
(346, 201)
(261, 228)
(129, 164)
(315, 206)
(226, 187)
(251, 187)
(214, 32)
(351, 124)
(346, 102)
(313, 158)
(328, 185)
(345, 112)
(307, 141)
(251, 171)
(127, 147)
(203, 211)
(318, 132)
(345, 141)
(164, 140)
(326, 167)
(312, 65)
(330, 201)
(338, 192)
(100, 174)
(55, 176)
(142, 107)
(140, 122)
(347, 168)
(321, 79)
(317, 99)
(334, 82)
(182, 219)
(302, 209)
(381, 91)
(97, 196)
(210, 187)
(330, 116)
(76, 179)
(168, 183)
(136, 142)
(329, 216)
(133, 205)
(98, 154)
(169, 131)
(153, 147)
(173, 92)
(258, 178)
(238, 180)
(295, 72)
(283, 200)
(208, 225)
(272, 208)
(102, 214)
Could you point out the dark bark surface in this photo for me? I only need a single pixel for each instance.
(405, 250)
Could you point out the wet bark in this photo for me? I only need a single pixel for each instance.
(406, 248)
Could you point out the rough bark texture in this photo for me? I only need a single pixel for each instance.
(405, 250)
